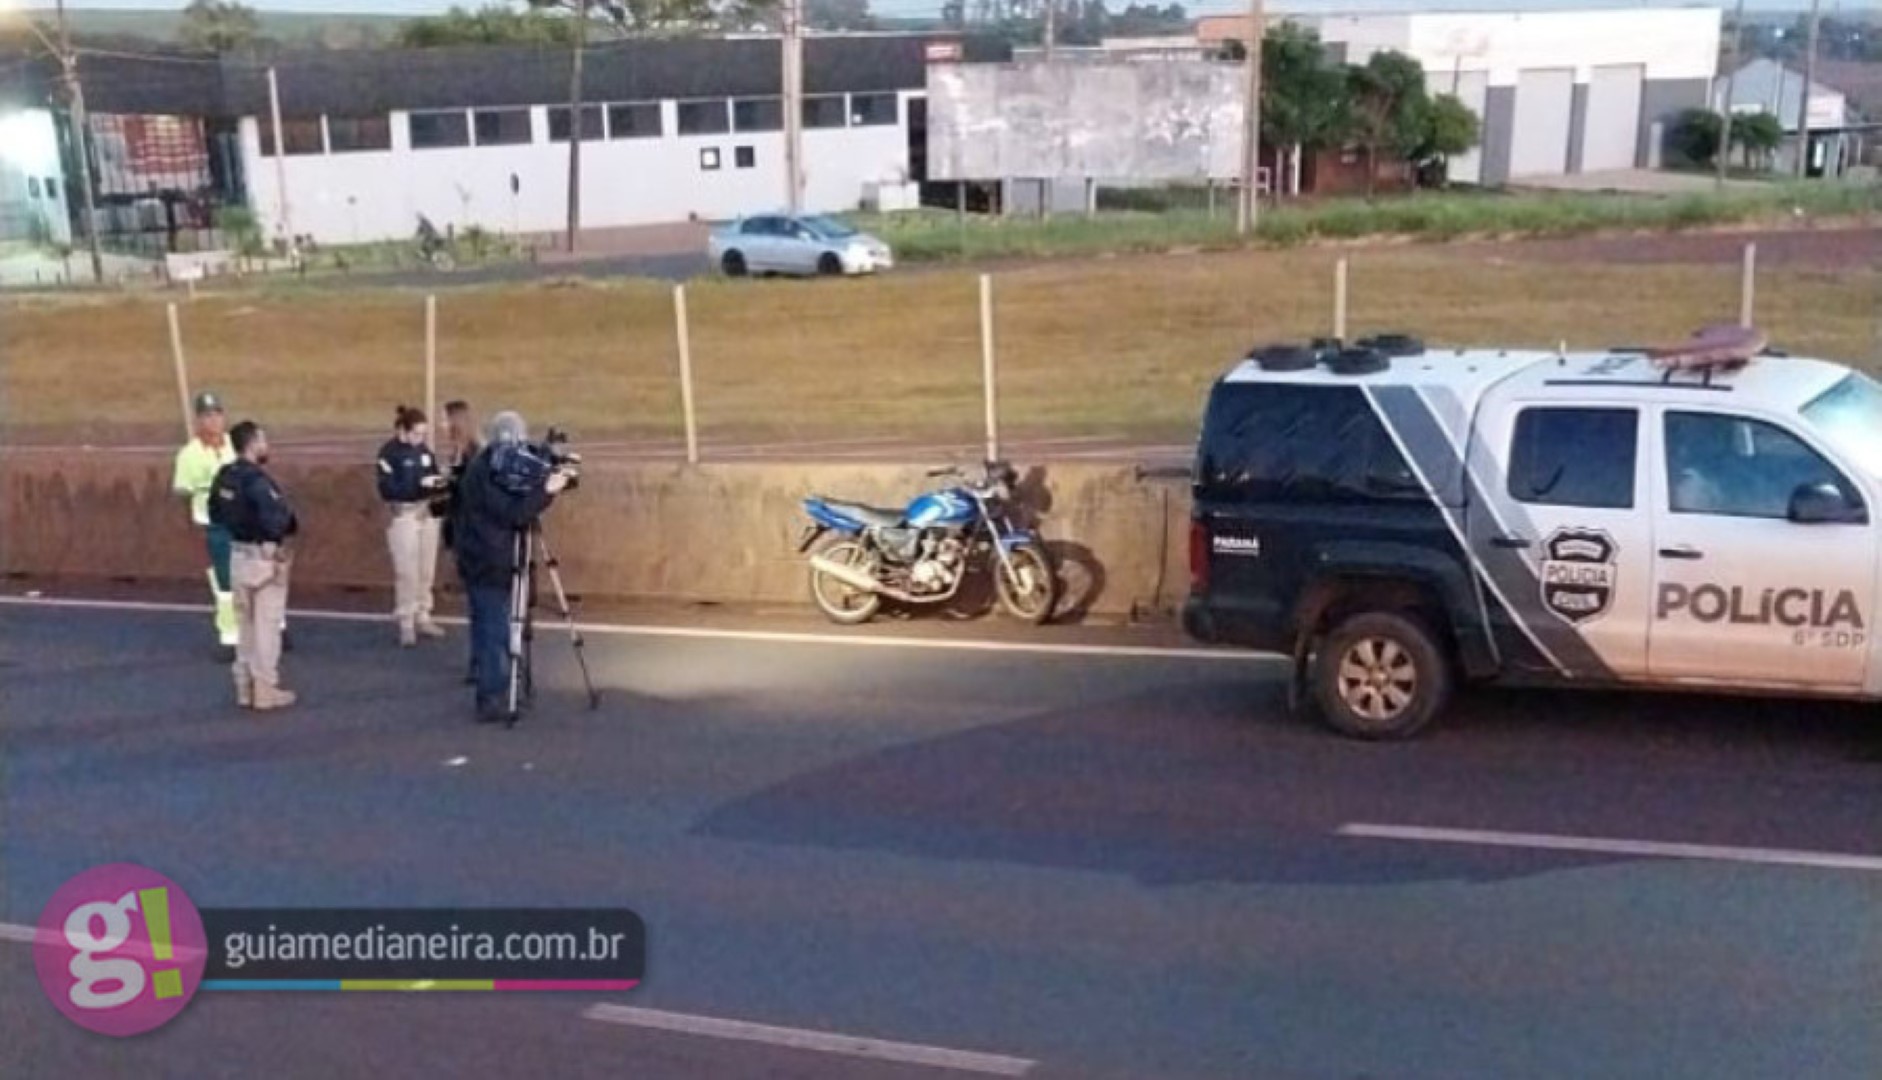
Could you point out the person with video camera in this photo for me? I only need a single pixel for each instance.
(504, 490)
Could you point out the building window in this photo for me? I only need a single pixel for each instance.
(709, 159)
(704, 117)
(353, 133)
(52, 189)
(873, 110)
(503, 127)
(300, 135)
(32, 187)
(825, 111)
(639, 120)
(1574, 457)
(591, 123)
(431, 130)
(744, 157)
(757, 114)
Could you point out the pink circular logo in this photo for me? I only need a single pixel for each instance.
(120, 949)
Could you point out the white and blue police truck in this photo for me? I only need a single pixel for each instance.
(1402, 520)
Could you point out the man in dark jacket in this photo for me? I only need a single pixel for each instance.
(251, 506)
(503, 491)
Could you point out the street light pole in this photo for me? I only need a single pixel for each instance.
(1803, 96)
(81, 141)
(1731, 83)
(793, 72)
(575, 124)
(1248, 208)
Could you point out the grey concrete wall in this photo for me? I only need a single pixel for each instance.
(1167, 120)
(1499, 132)
(1661, 100)
(1577, 126)
(662, 532)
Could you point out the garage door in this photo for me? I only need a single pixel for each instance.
(1539, 143)
(1611, 132)
(1473, 89)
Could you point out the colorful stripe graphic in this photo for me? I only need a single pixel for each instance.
(407, 985)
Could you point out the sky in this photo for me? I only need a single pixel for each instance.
(426, 7)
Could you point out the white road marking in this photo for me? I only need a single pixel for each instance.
(781, 637)
(1656, 849)
(820, 1041)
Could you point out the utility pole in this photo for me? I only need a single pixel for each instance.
(793, 72)
(1803, 103)
(280, 159)
(1248, 209)
(575, 124)
(81, 139)
(1052, 26)
(1731, 84)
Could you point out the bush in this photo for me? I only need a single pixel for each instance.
(243, 230)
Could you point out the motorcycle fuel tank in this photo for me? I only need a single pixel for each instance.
(941, 509)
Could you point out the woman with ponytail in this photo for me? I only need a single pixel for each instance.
(408, 477)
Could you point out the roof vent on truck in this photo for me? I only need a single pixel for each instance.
(1285, 357)
(1394, 345)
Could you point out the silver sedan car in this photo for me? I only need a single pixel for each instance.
(795, 244)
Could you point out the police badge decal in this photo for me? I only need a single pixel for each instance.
(1578, 573)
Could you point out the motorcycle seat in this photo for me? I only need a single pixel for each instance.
(868, 515)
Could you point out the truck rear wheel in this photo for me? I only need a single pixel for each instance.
(1381, 675)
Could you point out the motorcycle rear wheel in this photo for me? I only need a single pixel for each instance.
(840, 603)
(1031, 591)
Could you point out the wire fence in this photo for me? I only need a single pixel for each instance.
(1112, 358)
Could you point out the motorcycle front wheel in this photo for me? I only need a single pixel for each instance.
(1029, 591)
(841, 603)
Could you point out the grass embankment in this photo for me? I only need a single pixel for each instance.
(1121, 347)
(938, 235)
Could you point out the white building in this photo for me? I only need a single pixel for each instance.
(32, 178)
(676, 130)
(372, 139)
(1557, 91)
(1766, 86)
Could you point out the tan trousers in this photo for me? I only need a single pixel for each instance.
(260, 578)
(413, 537)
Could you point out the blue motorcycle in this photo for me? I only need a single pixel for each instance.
(921, 554)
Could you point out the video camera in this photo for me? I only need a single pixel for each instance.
(522, 467)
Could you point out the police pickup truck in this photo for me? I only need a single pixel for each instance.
(1398, 520)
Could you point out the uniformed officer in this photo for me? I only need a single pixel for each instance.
(197, 463)
(408, 477)
(462, 444)
(248, 503)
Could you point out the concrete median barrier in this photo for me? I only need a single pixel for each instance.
(720, 533)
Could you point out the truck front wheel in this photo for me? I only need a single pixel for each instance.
(1381, 675)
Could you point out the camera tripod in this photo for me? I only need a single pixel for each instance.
(532, 551)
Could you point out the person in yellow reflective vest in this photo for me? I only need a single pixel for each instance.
(196, 466)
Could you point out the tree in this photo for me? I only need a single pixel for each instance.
(1695, 135)
(1304, 104)
(488, 25)
(1388, 107)
(219, 26)
(1450, 129)
(839, 15)
(1757, 135)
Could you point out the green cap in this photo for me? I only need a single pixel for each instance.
(207, 402)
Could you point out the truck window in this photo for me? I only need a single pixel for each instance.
(1734, 466)
(1266, 441)
(1575, 457)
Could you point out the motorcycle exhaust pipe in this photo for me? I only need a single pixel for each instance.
(848, 575)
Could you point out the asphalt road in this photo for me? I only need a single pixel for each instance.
(1088, 863)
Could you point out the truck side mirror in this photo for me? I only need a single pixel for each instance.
(1824, 504)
